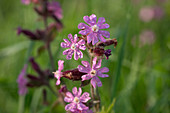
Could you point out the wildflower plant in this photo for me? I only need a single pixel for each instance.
(90, 72)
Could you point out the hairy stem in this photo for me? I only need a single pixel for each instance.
(95, 94)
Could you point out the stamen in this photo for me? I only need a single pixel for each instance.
(95, 28)
(76, 100)
(73, 46)
(93, 72)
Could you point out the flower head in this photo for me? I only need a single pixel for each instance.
(76, 100)
(93, 29)
(22, 81)
(158, 12)
(146, 14)
(74, 47)
(147, 37)
(93, 72)
(58, 73)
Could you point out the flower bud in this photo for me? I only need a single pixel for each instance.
(107, 43)
(74, 74)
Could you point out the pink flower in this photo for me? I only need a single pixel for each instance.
(146, 14)
(55, 8)
(22, 81)
(158, 12)
(147, 37)
(76, 100)
(26, 2)
(93, 72)
(93, 31)
(74, 47)
(58, 73)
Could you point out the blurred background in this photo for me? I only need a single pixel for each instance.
(139, 65)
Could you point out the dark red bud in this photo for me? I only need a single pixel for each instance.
(32, 77)
(98, 51)
(107, 53)
(36, 67)
(74, 74)
(28, 33)
(63, 89)
(107, 43)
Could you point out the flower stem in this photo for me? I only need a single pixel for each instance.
(51, 89)
(51, 57)
(95, 94)
(48, 45)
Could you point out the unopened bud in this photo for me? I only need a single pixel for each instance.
(74, 74)
(107, 43)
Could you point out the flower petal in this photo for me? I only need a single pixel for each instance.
(75, 38)
(84, 32)
(105, 33)
(67, 99)
(64, 45)
(93, 19)
(94, 39)
(81, 107)
(101, 20)
(70, 37)
(67, 41)
(67, 51)
(93, 82)
(94, 62)
(70, 107)
(79, 92)
(58, 81)
(98, 65)
(103, 70)
(85, 97)
(83, 26)
(81, 42)
(80, 54)
(99, 83)
(86, 77)
(89, 37)
(83, 69)
(76, 55)
(103, 75)
(82, 47)
(85, 63)
(104, 26)
(69, 95)
(60, 65)
(87, 19)
(74, 90)
(70, 54)
(101, 38)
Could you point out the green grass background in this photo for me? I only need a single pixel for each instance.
(139, 77)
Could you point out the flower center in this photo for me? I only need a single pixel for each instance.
(76, 100)
(93, 72)
(95, 28)
(73, 46)
(58, 74)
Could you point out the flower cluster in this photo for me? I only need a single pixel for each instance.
(91, 39)
(91, 34)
